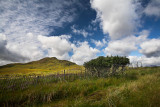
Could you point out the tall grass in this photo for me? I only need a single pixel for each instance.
(137, 88)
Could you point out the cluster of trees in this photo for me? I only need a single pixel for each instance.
(106, 65)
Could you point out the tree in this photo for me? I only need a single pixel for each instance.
(102, 64)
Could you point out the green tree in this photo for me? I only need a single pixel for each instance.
(103, 65)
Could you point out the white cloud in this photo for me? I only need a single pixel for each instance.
(80, 31)
(8, 55)
(153, 8)
(124, 46)
(83, 53)
(120, 47)
(153, 61)
(35, 47)
(56, 46)
(99, 43)
(27, 45)
(119, 18)
(151, 48)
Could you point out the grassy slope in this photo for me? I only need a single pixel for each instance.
(43, 66)
(138, 88)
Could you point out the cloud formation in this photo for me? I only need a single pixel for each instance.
(119, 18)
(153, 8)
(27, 27)
(83, 53)
(152, 61)
(22, 22)
(36, 47)
(6, 54)
(56, 46)
(99, 43)
(27, 45)
(151, 48)
(20, 17)
(82, 32)
(125, 46)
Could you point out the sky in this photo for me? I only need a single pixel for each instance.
(79, 30)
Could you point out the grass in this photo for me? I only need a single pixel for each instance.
(137, 88)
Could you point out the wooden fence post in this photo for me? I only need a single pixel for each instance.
(84, 72)
(137, 65)
(141, 64)
(58, 76)
(64, 74)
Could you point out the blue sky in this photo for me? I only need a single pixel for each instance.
(79, 30)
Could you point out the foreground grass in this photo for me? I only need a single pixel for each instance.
(137, 88)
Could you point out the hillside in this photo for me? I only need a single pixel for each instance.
(43, 66)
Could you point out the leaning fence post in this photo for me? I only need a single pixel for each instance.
(37, 80)
(64, 74)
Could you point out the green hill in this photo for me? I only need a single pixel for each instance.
(44, 66)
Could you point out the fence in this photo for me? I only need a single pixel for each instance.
(135, 64)
(21, 82)
(14, 82)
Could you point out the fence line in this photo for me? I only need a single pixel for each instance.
(20, 82)
(14, 82)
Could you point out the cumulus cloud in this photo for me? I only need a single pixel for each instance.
(35, 47)
(119, 18)
(80, 31)
(120, 47)
(124, 46)
(6, 54)
(56, 46)
(151, 48)
(153, 61)
(153, 8)
(27, 45)
(83, 53)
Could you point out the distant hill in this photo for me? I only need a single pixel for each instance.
(43, 66)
